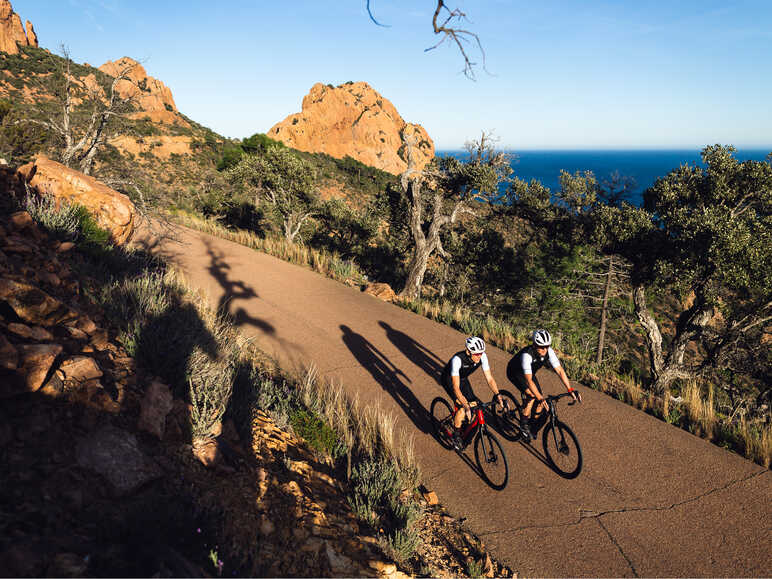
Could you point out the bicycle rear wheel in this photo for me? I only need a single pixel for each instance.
(507, 423)
(491, 460)
(562, 449)
(442, 421)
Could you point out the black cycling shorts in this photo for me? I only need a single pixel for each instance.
(465, 387)
(516, 376)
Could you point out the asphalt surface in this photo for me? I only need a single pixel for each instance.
(651, 500)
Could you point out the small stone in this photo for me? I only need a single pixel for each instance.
(80, 369)
(86, 324)
(35, 333)
(155, 406)
(36, 360)
(76, 334)
(431, 498)
(382, 567)
(207, 452)
(64, 247)
(21, 220)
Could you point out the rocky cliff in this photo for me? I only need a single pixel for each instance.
(152, 96)
(12, 33)
(351, 120)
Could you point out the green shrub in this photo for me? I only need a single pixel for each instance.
(402, 544)
(315, 431)
(375, 484)
(63, 222)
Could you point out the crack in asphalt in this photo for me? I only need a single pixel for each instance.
(619, 547)
(583, 515)
(593, 514)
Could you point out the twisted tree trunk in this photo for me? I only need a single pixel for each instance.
(668, 366)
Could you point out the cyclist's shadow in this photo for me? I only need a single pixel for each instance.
(419, 354)
(386, 374)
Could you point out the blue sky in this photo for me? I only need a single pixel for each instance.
(564, 74)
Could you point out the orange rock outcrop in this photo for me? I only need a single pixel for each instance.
(113, 211)
(351, 120)
(152, 96)
(12, 33)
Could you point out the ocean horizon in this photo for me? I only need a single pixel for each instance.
(643, 166)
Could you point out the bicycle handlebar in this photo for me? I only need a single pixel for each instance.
(559, 396)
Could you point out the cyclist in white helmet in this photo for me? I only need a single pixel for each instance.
(521, 371)
(455, 379)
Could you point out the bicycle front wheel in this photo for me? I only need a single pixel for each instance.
(491, 460)
(562, 449)
(442, 421)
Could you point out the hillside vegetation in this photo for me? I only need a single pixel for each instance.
(652, 303)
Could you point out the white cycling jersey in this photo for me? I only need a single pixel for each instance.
(527, 362)
(455, 364)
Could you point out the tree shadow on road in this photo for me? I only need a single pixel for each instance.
(234, 290)
(386, 374)
(419, 354)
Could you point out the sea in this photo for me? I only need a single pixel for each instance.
(642, 166)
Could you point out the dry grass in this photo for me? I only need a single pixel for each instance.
(324, 262)
(757, 440)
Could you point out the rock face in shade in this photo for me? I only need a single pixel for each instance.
(12, 33)
(351, 120)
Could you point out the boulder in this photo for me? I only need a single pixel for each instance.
(352, 120)
(112, 210)
(33, 305)
(115, 454)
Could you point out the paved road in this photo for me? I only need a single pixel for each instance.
(652, 500)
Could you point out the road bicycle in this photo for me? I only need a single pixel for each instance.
(561, 447)
(488, 453)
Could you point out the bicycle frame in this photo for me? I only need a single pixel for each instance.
(477, 422)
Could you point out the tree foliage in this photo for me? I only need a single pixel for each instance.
(282, 180)
(706, 234)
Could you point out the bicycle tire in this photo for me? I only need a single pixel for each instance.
(442, 421)
(505, 423)
(562, 449)
(491, 460)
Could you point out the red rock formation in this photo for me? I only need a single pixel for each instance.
(112, 210)
(12, 33)
(32, 38)
(351, 120)
(151, 95)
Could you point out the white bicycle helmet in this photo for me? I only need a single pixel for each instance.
(542, 338)
(475, 345)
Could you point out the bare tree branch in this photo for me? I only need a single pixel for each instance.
(456, 35)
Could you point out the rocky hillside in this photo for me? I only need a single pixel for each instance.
(351, 120)
(101, 468)
(12, 33)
